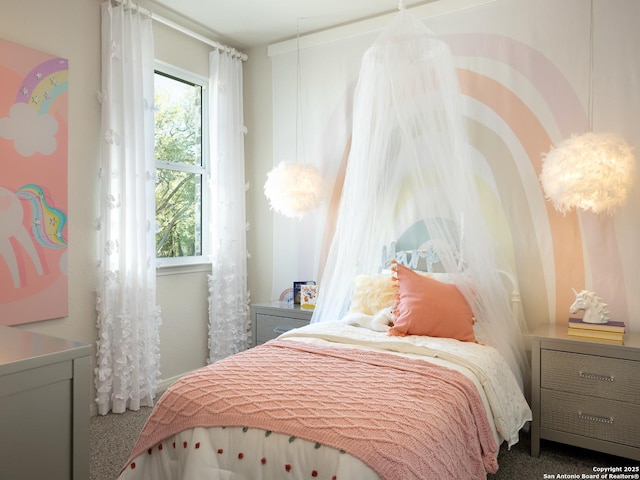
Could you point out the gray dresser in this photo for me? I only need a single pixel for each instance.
(44, 407)
(585, 392)
(272, 319)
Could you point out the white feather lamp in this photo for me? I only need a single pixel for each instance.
(293, 189)
(593, 171)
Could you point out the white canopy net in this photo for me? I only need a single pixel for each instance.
(409, 170)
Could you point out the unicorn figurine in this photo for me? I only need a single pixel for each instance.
(595, 310)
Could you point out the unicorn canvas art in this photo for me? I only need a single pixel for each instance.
(33, 185)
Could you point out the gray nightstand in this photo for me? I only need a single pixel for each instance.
(585, 392)
(44, 406)
(272, 319)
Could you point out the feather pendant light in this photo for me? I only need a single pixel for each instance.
(293, 189)
(593, 171)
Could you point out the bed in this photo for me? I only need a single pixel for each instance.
(344, 399)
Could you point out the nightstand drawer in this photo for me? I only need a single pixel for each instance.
(585, 392)
(269, 327)
(592, 417)
(593, 375)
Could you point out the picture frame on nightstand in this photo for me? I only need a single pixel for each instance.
(308, 295)
(297, 288)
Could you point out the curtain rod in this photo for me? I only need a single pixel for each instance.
(171, 24)
(223, 48)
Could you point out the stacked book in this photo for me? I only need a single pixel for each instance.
(613, 331)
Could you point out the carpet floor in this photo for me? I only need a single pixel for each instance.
(112, 437)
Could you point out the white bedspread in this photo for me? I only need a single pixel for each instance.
(251, 454)
(507, 408)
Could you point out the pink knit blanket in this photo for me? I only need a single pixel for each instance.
(406, 419)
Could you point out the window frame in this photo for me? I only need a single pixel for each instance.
(204, 170)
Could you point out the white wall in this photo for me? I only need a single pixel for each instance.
(71, 29)
(259, 160)
(524, 70)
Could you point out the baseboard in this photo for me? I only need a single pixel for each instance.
(162, 386)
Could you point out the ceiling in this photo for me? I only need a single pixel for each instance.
(248, 23)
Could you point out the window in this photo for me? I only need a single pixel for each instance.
(181, 167)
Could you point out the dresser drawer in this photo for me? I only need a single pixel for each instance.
(606, 377)
(592, 417)
(269, 327)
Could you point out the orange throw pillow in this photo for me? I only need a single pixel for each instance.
(425, 306)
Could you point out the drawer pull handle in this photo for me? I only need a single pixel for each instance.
(280, 330)
(594, 376)
(595, 418)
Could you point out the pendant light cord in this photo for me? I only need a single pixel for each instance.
(591, 44)
(299, 126)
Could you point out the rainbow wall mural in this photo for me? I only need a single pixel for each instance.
(523, 68)
(33, 185)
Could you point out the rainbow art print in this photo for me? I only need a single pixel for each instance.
(33, 185)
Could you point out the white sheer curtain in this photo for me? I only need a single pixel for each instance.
(229, 324)
(128, 317)
(410, 164)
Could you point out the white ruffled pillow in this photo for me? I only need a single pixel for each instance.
(372, 293)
